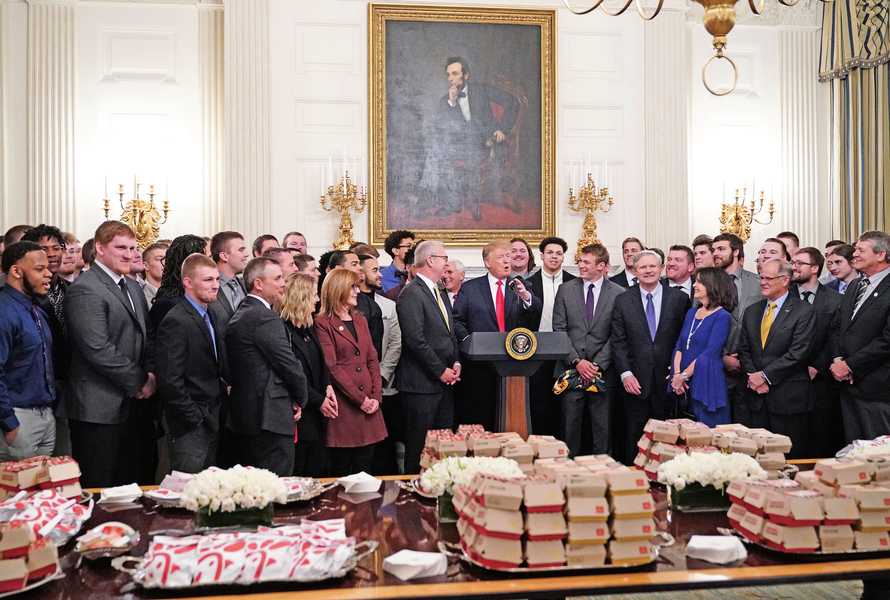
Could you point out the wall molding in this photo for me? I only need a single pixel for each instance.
(164, 70)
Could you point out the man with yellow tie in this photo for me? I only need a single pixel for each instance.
(428, 367)
(774, 346)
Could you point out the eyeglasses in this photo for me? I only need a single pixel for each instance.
(799, 263)
(445, 257)
(162, 260)
(356, 288)
(405, 246)
(762, 278)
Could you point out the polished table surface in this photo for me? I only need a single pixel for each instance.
(399, 519)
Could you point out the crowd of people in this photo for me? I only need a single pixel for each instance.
(201, 351)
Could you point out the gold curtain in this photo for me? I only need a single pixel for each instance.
(854, 61)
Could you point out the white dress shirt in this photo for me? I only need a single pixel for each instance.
(550, 283)
(463, 103)
(686, 286)
(493, 286)
(656, 304)
(261, 299)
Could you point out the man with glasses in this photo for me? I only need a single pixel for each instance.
(774, 349)
(397, 244)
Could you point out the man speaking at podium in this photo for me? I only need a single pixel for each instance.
(495, 302)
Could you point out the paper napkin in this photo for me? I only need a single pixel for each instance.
(360, 483)
(718, 549)
(409, 564)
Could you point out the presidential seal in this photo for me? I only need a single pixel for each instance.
(521, 343)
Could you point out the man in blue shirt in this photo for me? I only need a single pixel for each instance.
(27, 388)
(397, 245)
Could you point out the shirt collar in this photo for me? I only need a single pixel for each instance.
(115, 276)
(429, 282)
(492, 280)
(202, 310)
(557, 277)
(263, 300)
(18, 296)
(878, 277)
(779, 301)
(225, 279)
(656, 293)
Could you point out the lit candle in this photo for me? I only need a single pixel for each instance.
(753, 188)
(606, 173)
(330, 170)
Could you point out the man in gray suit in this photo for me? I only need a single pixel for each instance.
(110, 380)
(583, 309)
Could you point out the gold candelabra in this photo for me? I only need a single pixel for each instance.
(345, 196)
(737, 217)
(589, 199)
(141, 215)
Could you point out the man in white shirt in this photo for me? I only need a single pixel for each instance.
(680, 266)
(547, 280)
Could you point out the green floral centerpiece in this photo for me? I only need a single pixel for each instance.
(697, 481)
(236, 497)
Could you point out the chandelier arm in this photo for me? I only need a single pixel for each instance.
(734, 70)
(789, 3)
(657, 9)
(615, 14)
(584, 12)
(756, 9)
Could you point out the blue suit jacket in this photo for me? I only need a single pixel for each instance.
(474, 309)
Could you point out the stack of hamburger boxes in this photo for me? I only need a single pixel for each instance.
(62, 474)
(520, 451)
(771, 450)
(545, 525)
(587, 511)
(748, 501)
(853, 479)
(644, 452)
(791, 520)
(631, 506)
(21, 476)
(430, 456)
(490, 523)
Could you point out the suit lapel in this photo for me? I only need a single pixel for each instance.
(867, 300)
(340, 328)
(224, 302)
(488, 301)
(196, 317)
(665, 307)
(430, 296)
(790, 303)
(118, 292)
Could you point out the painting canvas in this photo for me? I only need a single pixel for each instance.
(462, 103)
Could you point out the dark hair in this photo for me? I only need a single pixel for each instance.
(219, 242)
(791, 236)
(701, 240)
(364, 257)
(88, 251)
(367, 249)
(273, 253)
(835, 243)
(338, 258)
(600, 253)
(35, 234)
(302, 260)
(256, 269)
(16, 252)
(531, 257)
(735, 243)
(14, 234)
(409, 258)
(464, 64)
(395, 239)
(258, 243)
(844, 251)
(780, 243)
(681, 248)
(721, 291)
(657, 251)
(553, 240)
(815, 257)
(180, 249)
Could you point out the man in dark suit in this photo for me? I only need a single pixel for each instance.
(628, 277)
(646, 323)
(679, 269)
(840, 265)
(860, 341)
(583, 309)
(826, 423)
(189, 370)
(111, 375)
(268, 384)
(774, 350)
(429, 363)
(229, 252)
(493, 302)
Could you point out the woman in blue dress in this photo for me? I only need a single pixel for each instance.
(697, 368)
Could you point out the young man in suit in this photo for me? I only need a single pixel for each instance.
(583, 309)
(826, 423)
(860, 341)
(646, 323)
(840, 267)
(679, 269)
(229, 252)
(268, 384)
(111, 376)
(430, 364)
(190, 376)
(629, 248)
(774, 350)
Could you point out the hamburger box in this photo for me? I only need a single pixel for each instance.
(463, 525)
(848, 491)
(483, 444)
(840, 511)
(644, 445)
(751, 526)
(662, 431)
(433, 434)
(590, 459)
(545, 526)
(794, 509)
(829, 491)
(496, 493)
(43, 559)
(535, 440)
(468, 535)
(835, 471)
(651, 469)
(20, 476)
(641, 460)
(702, 449)
(873, 498)
(806, 479)
(494, 522)
(718, 437)
(742, 445)
(770, 460)
(633, 529)
(873, 520)
(542, 496)
(737, 489)
(497, 553)
(601, 467)
(462, 497)
(756, 498)
(587, 509)
(426, 458)
(585, 484)
(878, 466)
(790, 539)
(13, 574)
(527, 469)
(626, 481)
(871, 540)
(735, 514)
(629, 553)
(465, 427)
(588, 532)
(770, 443)
(585, 555)
(546, 553)
(750, 432)
(836, 538)
(562, 472)
(695, 434)
(664, 452)
(470, 511)
(552, 449)
(520, 452)
(509, 435)
(58, 471)
(632, 506)
(451, 445)
(71, 490)
(15, 538)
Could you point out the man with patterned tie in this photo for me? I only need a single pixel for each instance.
(229, 252)
(429, 364)
(27, 387)
(860, 341)
(774, 351)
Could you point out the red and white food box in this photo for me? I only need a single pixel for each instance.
(720, 437)
(633, 529)
(473, 427)
(742, 445)
(849, 491)
(562, 472)
(872, 497)
(802, 508)
(535, 440)
(498, 493)
(629, 553)
(641, 460)
(834, 471)
(43, 559)
(770, 460)
(552, 449)
(806, 478)
(829, 491)
(541, 554)
(494, 522)
(733, 428)
(469, 511)
(872, 540)
(460, 499)
(509, 435)
(20, 476)
(58, 471)
(768, 443)
(545, 526)
(481, 443)
(632, 506)
(451, 445)
(71, 490)
(756, 498)
(590, 459)
(873, 520)
(695, 434)
(878, 467)
(585, 555)
(587, 509)
(543, 496)
(588, 532)
(432, 436)
(751, 526)
(13, 574)
(735, 514)
(497, 552)
(662, 431)
(737, 489)
(702, 449)
(836, 538)
(790, 539)
(750, 432)
(626, 481)
(651, 469)
(644, 444)
(663, 452)
(840, 511)
(585, 484)
(519, 451)
(15, 538)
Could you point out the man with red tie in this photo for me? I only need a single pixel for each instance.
(495, 302)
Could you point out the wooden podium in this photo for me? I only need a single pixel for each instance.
(513, 403)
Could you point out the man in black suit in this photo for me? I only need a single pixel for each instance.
(229, 252)
(429, 363)
(679, 269)
(840, 266)
(628, 277)
(860, 341)
(493, 302)
(646, 323)
(774, 351)
(190, 377)
(826, 423)
(268, 384)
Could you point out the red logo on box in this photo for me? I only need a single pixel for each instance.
(641, 482)
(647, 528)
(644, 550)
(599, 509)
(863, 475)
(884, 542)
(647, 505)
(601, 532)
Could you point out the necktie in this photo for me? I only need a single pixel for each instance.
(634, 281)
(499, 307)
(806, 296)
(766, 323)
(842, 288)
(442, 307)
(462, 95)
(399, 274)
(237, 295)
(590, 306)
(860, 292)
(122, 283)
(650, 315)
(47, 360)
(734, 288)
(212, 333)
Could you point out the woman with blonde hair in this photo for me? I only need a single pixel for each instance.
(355, 374)
(300, 296)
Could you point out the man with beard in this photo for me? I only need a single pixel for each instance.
(27, 389)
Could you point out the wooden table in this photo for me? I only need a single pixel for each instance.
(398, 519)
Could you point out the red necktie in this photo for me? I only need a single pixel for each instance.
(499, 306)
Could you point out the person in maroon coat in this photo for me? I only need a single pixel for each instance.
(355, 375)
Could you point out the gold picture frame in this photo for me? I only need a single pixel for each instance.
(428, 175)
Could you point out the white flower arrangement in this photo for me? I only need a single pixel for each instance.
(715, 469)
(877, 447)
(238, 487)
(454, 472)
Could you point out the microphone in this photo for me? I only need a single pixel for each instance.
(512, 282)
